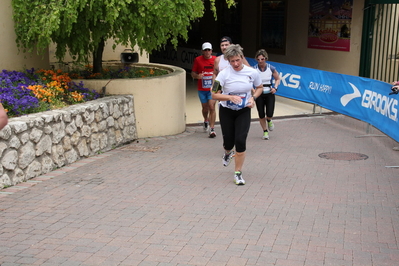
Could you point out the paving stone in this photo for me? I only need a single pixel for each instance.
(169, 201)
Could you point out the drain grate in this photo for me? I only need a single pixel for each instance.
(344, 156)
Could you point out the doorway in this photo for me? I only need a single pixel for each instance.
(380, 41)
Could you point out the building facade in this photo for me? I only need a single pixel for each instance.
(285, 28)
(283, 32)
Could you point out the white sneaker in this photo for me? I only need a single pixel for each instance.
(270, 125)
(206, 126)
(265, 135)
(212, 133)
(227, 158)
(238, 179)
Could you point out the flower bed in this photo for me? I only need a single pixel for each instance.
(37, 143)
(118, 71)
(33, 91)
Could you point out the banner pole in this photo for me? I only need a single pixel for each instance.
(368, 130)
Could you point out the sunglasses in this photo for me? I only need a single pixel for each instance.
(206, 50)
(260, 59)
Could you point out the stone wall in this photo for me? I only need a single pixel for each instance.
(39, 143)
(159, 102)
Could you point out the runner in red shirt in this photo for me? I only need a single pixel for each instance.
(203, 71)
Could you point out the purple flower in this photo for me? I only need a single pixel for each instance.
(19, 100)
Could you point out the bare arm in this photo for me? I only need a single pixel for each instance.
(195, 75)
(277, 80)
(3, 117)
(255, 94)
(224, 97)
(217, 95)
(216, 67)
(258, 91)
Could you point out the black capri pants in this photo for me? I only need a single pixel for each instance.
(235, 127)
(265, 101)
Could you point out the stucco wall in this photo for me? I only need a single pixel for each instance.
(11, 58)
(297, 52)
(160, 102)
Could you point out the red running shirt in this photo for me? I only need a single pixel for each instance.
(204, 66)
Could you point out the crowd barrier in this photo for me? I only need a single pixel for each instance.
(365, 99)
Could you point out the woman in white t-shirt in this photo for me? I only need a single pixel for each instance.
(233, 88)
(266, 101)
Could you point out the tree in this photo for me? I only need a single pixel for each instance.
(81, 27)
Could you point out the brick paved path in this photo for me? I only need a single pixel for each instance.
(169, 201)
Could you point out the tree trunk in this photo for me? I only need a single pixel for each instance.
(98, 57)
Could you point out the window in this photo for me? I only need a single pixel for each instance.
(272, 35)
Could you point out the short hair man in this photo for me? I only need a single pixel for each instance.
(203, 71)
(220, 62)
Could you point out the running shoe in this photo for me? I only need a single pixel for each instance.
(227, 158)
(238, 179)
(270, 125)
(265, 135)
(206, 125)
(212, 133)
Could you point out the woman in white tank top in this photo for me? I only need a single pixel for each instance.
(265, 103)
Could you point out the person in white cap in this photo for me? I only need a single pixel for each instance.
(203, 71)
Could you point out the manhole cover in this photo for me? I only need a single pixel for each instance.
(344, 156)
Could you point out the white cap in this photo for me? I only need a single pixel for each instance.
(206, 45)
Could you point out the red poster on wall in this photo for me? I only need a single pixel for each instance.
(330, 24)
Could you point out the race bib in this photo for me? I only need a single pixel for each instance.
(240, 105)
(207, 82)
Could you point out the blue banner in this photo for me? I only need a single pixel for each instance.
(362, 98)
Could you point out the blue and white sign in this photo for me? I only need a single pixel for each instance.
(362, 98)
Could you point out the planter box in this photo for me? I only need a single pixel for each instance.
(159, 102)
(36, 144)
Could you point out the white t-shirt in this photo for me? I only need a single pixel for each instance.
(238, 83)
